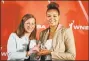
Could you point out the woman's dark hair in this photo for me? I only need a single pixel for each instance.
(20, 30)
(53, 5)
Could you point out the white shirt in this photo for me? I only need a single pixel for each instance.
(48, 46)
(16, 47)
(32, 44)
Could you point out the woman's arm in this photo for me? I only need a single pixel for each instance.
(12, 48)
(70, 52)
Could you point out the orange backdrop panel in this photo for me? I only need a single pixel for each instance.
(71, 12)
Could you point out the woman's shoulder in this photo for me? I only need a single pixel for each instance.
(63, 28)
(13, 35)
(66, 29)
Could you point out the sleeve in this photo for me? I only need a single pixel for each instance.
(70, 52)
(11, 49)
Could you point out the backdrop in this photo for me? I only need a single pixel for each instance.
(73, 14)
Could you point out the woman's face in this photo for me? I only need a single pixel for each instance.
(52, 17)
(29, 25)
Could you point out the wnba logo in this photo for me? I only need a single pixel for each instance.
(81, 27)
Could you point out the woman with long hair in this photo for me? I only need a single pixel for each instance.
(22, 43)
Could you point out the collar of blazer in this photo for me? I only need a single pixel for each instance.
(46, 33)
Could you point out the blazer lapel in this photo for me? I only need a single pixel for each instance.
(46, 35)
(55, 41)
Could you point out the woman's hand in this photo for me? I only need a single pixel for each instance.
(35, 49)
(43, 52)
